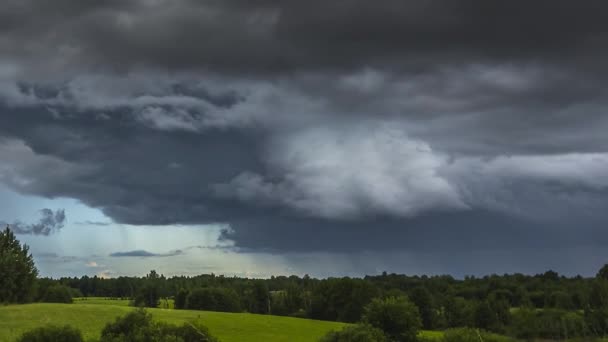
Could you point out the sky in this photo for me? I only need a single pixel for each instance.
(330, 138)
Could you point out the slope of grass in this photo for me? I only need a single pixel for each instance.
(228, 327)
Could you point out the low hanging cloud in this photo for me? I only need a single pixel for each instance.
(145, 254)
(50, 222)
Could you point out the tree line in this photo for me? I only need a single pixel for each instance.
(545, 305)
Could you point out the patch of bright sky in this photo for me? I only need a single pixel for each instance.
(84, 245)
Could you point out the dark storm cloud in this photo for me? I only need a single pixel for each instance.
(287, 35)
(145, 254)
(50, 222)
(438, 125)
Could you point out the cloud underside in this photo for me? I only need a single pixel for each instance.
(325, 126)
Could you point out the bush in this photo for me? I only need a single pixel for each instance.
(58, 294)
(52, 334)
(138, 326)
(397, 317)
(355, 333)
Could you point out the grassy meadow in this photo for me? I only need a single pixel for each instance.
(92, 314)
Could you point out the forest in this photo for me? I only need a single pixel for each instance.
(544, 305)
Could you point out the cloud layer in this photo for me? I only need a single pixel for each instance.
(325, 126)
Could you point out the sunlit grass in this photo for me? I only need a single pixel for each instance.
(90, 317)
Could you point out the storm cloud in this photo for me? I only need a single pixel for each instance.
(49, 223)
(338, 126)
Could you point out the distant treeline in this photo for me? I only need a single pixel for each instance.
(571, 306)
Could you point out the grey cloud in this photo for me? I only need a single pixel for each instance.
(50, 222)
(287, 35)
(320, 126)
(54, 257)
(94, 223)
(145, 254)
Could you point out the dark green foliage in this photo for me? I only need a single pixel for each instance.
(549, 324)
(492, 314)
(257, 297)
(58, 294)
(397, 317)
(469, 335)
(149, 294)
(596, 314)
(341, 299)
(138, 326)
(356, 333)
(560, 300)
(17, 270)
(424, 301)
(52, 334)
(603, 272)
(213, 299)
(180, 299)
(525, 324)
(458, 312)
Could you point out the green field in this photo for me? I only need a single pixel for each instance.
(91, 315)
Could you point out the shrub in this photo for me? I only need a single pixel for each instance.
(138, 326)
(355, 333)
(58, 294)
(397, 317)
(52, 334)
(470, 334)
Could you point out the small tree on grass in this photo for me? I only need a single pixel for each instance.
(396, 316)
(17, 270)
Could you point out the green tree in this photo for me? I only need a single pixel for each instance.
(424, 301)
(17, 270)
(58, 294)
(180, 298)
(596, 313)
(213, 299)
(602, 273)
(397, 317)
(149, 294)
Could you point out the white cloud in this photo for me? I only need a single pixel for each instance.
(349, 171)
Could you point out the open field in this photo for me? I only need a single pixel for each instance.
(91, 315)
